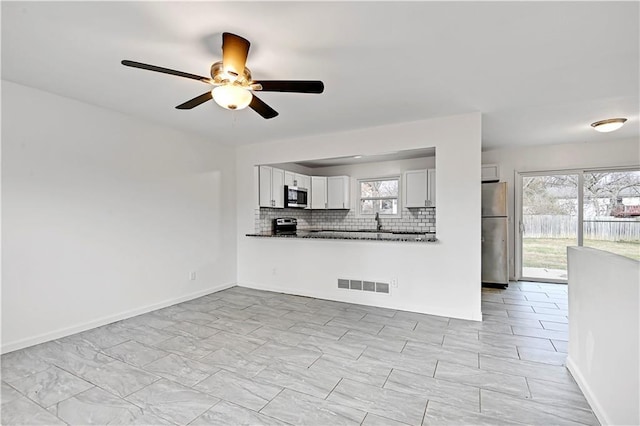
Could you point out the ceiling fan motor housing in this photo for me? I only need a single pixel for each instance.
(221, 76)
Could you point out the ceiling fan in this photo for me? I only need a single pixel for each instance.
(233, 87)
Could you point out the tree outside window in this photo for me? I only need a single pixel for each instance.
(379, 196)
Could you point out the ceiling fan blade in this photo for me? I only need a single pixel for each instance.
(234, 53)
(206, 96)
(165, 70)
(297, 86)
(261, 108)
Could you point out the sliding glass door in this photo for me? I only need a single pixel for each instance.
(612, 211)
(593, 208)
(549, 223)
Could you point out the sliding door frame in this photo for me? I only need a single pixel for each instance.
(518, 210)
(518, 252)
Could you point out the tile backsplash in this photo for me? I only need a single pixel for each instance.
(265, 216)
(419, 220)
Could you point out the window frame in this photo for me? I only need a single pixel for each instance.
(360, 198)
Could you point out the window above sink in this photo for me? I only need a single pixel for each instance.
(379, 196)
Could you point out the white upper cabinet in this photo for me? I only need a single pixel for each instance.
(264, 182)
(303, 181)
(431, 191)
(329, 192)
(277, 187)
(296, 179)
(416, 188)
(338, 192)
(289, 178)
(490, 173)
(323, 192)
(271, 181)
(420, 188)
(318, 192)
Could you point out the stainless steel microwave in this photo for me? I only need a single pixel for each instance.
(294, 196)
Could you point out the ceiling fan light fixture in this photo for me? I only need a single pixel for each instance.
(232, 97)
(233, 85)
(608, 125)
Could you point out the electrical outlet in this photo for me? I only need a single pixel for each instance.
(394, 283)
(192, 276)
(274, 271)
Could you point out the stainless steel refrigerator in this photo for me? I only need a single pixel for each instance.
(495, 250)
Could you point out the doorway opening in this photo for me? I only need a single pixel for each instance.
(592, 208)
(549, 225)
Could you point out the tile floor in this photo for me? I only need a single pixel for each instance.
(243, 356)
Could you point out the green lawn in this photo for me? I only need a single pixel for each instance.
(552, 252)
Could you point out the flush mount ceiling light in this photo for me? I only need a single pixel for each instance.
(608, 125)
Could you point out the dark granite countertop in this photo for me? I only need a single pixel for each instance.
(368, 235)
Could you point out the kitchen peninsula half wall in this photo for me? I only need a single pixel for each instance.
(440, 278)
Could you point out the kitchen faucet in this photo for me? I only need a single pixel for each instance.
(379, 227)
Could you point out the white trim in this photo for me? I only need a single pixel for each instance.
(367, 292)
(543, 280)
(517, 241)
(63, 332)
(596, 407)
(419, 308)
(580, 210)
(358, 197)
(544, 172)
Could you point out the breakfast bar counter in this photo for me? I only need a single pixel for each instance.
(363, 235)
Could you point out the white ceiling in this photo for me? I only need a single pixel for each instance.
(367, 158)
(540, 72)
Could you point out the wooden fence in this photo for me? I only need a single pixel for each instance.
(560, 226)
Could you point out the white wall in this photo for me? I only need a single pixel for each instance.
(557, 157)
(442, 278)
(604, 332)
(104, 216)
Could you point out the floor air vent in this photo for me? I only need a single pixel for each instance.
(360, 285)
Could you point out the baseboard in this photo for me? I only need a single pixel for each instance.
(596, 407)
(45, 337)
(430, 310)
